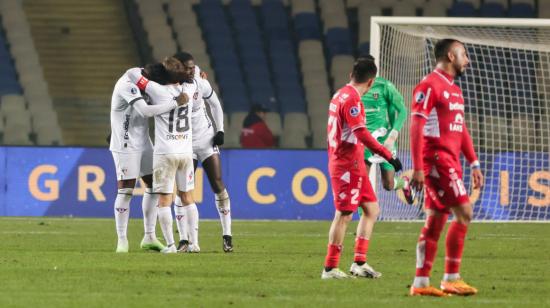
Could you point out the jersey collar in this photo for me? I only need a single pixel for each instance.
(444, 75)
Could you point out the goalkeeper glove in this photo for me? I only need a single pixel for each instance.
(218, 138)
(396, 163)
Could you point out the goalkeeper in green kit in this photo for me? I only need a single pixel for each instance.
(385, 114)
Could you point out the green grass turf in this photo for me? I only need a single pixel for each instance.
(53, 262)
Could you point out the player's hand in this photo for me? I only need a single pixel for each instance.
(477, 176)
(417, 181)
(218, 138)
(396, 163)
(390, 141)
(203, 75)
(182, 100)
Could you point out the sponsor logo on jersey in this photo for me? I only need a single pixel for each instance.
(457, 125)
(446, 94)
(459, 119)
(126, 126)
(133, 90)
(456, 106)
(419, 97)
(375, 95)
(354, 111)
(196, 95)
(332, 107)
(176, 137)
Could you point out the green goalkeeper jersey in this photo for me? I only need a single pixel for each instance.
(382, 102)
(384, 111)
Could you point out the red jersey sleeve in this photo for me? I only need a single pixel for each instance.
(353, 113)
(424, 100)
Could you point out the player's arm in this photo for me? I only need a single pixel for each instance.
(211, 98)
(158, 93)
(396, 105)
(423, 102)
(471, 157)
(356, 121)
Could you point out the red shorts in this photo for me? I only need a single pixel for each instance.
(351, 189)
(444, 185)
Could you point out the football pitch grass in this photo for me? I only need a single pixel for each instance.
(64, 262)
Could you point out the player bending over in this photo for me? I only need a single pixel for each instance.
(206, 139)
(173, 152)
(351, 187)
(438, 136)
(132, 152)
(385, 114)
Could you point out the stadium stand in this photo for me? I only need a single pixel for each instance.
(83, 48)
(287, 55)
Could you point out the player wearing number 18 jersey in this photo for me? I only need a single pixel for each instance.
(438, 136)
(350, 184)
(173, 151)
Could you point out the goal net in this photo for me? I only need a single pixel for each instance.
(507, 95)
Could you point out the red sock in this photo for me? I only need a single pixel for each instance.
(455, 247)
(333, 255)
(426, 248)
(361, 248)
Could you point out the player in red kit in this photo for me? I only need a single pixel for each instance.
(438, 136)
(346, 134)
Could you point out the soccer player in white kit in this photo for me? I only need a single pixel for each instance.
(207, 136)
(132, 152)
(173, 152)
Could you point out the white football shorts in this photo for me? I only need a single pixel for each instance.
(203, 146)
(168, 168)
(130, 166)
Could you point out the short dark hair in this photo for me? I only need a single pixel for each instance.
(442, 48)
(363, 70)
(183, 56)
(365, 56)
(157, 73)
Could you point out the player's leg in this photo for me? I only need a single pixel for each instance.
(188, 224)
(452, 282)
(149, 207)
(212, 167)
(345, 189)
(359, 267)
(164, 171)
(392, 182)
(336, 236)
(127, 170)
(122, 212)
(426, 250)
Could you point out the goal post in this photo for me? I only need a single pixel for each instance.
(507, 96)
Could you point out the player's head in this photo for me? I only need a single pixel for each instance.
(364, 71)
(188, 65)
(453, 52)
(174, 68)
(157, 73)
(366, 57)
(260, 110)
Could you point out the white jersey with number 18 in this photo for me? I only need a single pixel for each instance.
(173, 130)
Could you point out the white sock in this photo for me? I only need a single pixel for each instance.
(150, 212)
(451, 277)
(165, 220)
(192, 222)
(421, 282)
(122, 211)
(181, 221)
(223, 204)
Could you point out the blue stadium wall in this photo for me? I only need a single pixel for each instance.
(263, 184)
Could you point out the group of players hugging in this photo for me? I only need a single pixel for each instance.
(364, 120)
(175, 94)
(366, 109)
